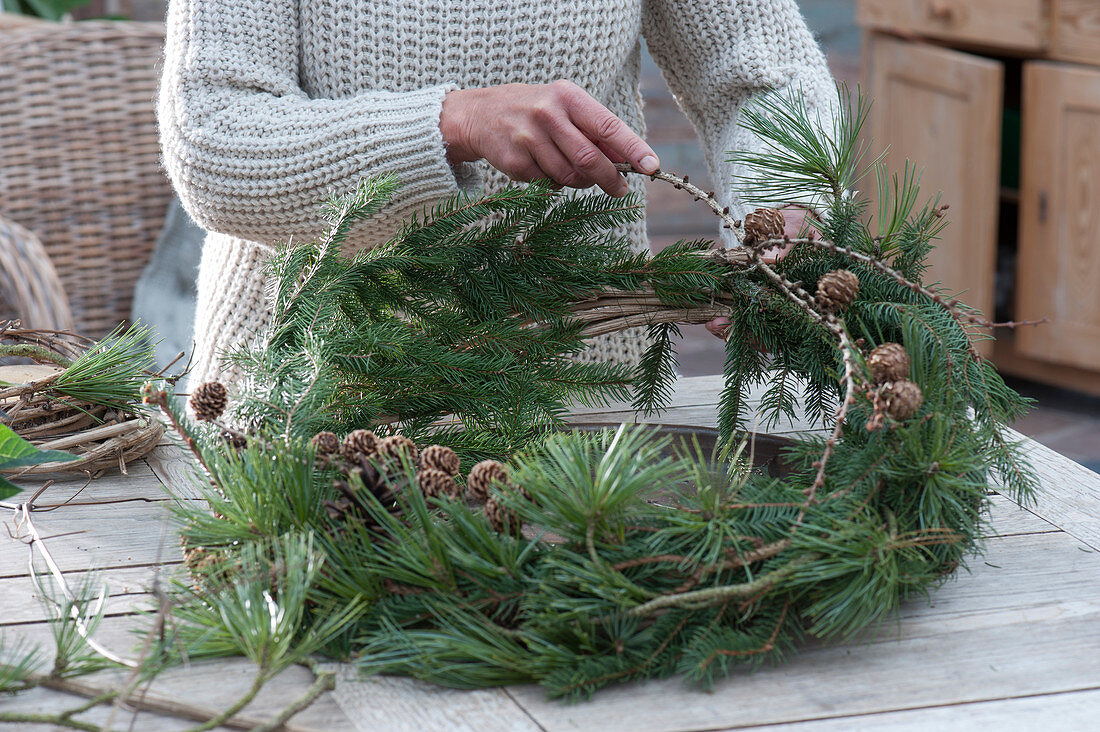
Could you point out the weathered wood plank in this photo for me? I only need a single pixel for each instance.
(1009, 519)
(408, 705)
(389, 703)
(128, 589)
(142, 484)
(209, 688)
(101, 536)
(1073, 710)
(176, 469)
(1070, 495)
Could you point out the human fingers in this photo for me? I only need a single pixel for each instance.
(519, 165)
(610, 133)
(718, 327)
(557, 167)
(592, 165)
(612, 155)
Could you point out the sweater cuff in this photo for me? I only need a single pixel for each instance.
(417, 152)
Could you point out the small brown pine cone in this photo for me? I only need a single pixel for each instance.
(889, 362)
(434, 482)
(901, 399)
(359, 442)
(483, 475)
(346, 488)
(396, 445)
(234, 439)
(205, 565)
(325, 443)
(440, 458)
(763, 224)
(501, 518)
(837, 290)
(209, 400)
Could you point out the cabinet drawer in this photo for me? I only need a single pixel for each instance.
(1077, 31)
(1010, 24)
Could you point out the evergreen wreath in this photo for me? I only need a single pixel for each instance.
(336, 463)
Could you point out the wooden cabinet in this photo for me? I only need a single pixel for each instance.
(949, 78)
(1059, 265)
(959, 126)
(1015, 24)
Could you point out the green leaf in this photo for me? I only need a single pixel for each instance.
(15, 452)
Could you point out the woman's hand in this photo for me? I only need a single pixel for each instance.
(793, 219)
(555, 131)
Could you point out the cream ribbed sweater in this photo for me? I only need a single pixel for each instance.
(269, 106)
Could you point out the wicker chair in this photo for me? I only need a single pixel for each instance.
(79, 155)
(30, 290)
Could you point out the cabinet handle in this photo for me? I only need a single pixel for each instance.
(941, 10)
(1043, 207)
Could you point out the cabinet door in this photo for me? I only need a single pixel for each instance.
(1059, 264)
(941, 109)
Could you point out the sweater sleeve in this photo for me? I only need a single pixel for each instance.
(715, 54)
(252, 155)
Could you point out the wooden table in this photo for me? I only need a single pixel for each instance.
(1013, 643)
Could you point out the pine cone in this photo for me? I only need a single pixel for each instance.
(359, 442)
(209, 400)
(901, 399)
(763, 224)
(434, 482)
(396, 445)
(837, 290)
(501, 518)
(372, 479)
(440, 458)
(325, 443)
(483, 475)
(234, 439)
(888, 362)
(339, 510)
(204, 564)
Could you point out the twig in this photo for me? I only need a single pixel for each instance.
(326, 681)
(846, 349)
(148, 703)
(159, 398)
(55, 719)
(220, 719)
(712, 595)
(37, 353)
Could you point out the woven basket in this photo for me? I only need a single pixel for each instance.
(80, 157)
(30, 290)
(101, 437)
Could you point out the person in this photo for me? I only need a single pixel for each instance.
(267, 107)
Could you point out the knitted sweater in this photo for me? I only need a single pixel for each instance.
(267, 107)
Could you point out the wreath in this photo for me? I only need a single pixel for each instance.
(390, 471)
